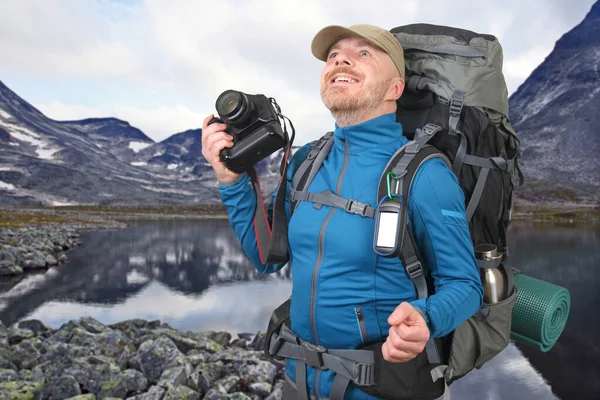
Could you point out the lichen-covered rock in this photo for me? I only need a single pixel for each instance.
(106, 380)
(154, 393)
(239, 342)
(214, 394)
(24, 355)
(87, 396)
(173, 377)
(6, 364)
(211, 372)
(135, 381)
(261, 389)
(7, 269)
(264, 371)
(277, 393)
(225, 385)
(93, 326)
(181, 393)
(228, 355)
(50, 260)
(62, 351)
(8, 375)
(37, 375)
(65, 332)
(155, 356)
(238, 396)
(17, 335)
(20, 390)
(186, 344)
(258, 343)
(223, 338)
(64, 387)
(196, 357)
(113, 343)
(34, 325)
(25, 375)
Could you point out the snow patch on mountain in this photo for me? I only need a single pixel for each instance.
(4, 114)
(23, 134)
(6, 186)
(168, 190)
(137, 146)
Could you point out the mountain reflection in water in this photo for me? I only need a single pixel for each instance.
(194, 276)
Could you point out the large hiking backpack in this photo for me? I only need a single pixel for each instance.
(455, 107)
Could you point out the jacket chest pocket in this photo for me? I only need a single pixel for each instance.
(362, 326)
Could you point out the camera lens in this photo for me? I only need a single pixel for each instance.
(233, 107)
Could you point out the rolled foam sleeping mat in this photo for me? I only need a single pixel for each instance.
(540, 313)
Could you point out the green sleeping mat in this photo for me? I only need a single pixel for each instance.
(540, 313)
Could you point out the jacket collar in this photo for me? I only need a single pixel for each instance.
(376, 132)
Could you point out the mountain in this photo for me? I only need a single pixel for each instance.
(116, 136)
(101, 161)
(555, 113)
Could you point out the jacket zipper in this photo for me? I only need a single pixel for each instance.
(361, 323)
(320, 259)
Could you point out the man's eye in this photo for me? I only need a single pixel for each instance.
(364, 53)
(332, 55)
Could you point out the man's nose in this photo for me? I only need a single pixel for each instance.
(342, 58)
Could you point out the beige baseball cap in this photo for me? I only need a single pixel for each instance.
(380, 37)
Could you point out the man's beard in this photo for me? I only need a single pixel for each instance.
(348, 109)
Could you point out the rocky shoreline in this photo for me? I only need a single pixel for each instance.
(133, 359)
(35, 248)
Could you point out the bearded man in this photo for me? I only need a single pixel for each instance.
(344, 295)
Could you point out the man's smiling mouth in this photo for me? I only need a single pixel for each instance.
(343, 79)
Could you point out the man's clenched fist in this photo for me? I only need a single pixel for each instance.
(408, 334)
(215, 139)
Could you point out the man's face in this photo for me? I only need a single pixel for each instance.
(356, 77)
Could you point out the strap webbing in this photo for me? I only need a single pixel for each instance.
(477, 192)
(461, 154)
(338, 389)
(488, 162)
(456, 105)
(328, 198)
(301, 380)
(349, 365)
(311, 164)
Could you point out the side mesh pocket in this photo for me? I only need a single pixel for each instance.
(481, 337)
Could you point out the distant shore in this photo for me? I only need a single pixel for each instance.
(37, 238)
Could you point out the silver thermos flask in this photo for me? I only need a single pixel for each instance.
(493, 279)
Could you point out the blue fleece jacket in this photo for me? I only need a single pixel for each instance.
(343, 292)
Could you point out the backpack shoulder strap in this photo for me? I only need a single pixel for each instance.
(319, 149)
(404, 165)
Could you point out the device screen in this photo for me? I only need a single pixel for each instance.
(386, 235)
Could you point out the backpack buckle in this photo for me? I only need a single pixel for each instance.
(456, 105)
(364, 374)
(414, 269)
(313, 354)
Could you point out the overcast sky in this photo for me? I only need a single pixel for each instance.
(160, 64)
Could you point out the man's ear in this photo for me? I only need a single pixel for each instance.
(397, 88)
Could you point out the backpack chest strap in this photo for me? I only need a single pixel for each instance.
(328, 198)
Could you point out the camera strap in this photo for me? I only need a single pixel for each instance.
(272, 238)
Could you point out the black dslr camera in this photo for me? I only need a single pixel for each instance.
(253, 121)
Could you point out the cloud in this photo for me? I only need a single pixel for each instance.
(174, 58)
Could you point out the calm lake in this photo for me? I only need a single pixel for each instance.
(194, 276)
